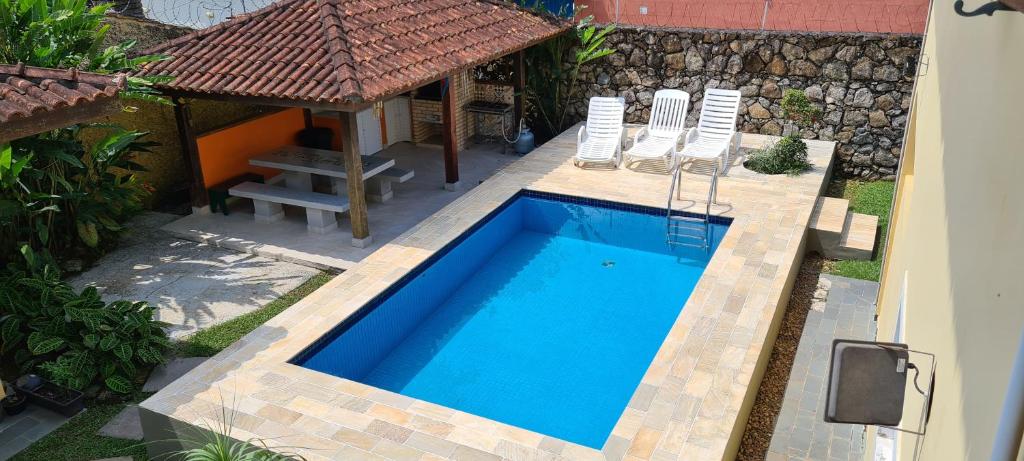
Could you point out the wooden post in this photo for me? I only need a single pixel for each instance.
(519, 85)
(354, 179)
(449, 136)
(190, 153)
(307, 118)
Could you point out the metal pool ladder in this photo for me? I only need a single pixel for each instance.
(690, 231)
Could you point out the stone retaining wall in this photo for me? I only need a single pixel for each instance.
(862, 83)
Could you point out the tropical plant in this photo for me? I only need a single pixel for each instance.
(213, 442)
(75, 338)
(551, 84)
(57, 195)
(65, 34)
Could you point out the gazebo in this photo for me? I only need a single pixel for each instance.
(38, 99)
(345, 56)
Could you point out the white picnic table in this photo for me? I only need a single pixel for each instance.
(299, 164)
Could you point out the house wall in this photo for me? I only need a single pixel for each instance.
(957, 234)
(862, 82)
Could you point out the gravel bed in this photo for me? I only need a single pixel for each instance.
(761, 423)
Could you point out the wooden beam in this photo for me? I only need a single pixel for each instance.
(190, 153)
(19, 127)
(449, 135)
(354, 180)
(519, 84)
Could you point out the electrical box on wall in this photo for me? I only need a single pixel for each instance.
(867, 383)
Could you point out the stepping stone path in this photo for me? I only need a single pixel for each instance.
(167, 373)
(128, 424)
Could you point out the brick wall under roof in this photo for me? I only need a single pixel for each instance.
(861, 16)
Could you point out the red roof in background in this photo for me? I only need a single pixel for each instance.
(864, 16)
(340, 51)
(27, 91)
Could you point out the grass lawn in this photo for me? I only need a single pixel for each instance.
(208, 342)
(866, 197)
(77, 438)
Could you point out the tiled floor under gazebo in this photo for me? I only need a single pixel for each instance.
(414, 200)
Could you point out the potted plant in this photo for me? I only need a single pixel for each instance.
(52, 396)
(12, 402)
(789, 154)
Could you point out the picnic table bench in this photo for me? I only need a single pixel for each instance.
(268, 199)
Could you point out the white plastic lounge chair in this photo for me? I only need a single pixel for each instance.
(716, 131)
(600, 140)
(664, 131)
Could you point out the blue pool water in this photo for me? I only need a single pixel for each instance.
(544, 316)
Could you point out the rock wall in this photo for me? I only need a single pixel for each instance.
(862, 83)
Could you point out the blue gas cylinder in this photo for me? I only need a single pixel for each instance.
(525, 143)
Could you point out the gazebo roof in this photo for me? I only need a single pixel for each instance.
(37, 99)
(346, 52)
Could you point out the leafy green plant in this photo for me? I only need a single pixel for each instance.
(788, 156)
(65, 34)
(58, 196)
(550, 84)
(797, 107)
(75, 338)
(213, 442)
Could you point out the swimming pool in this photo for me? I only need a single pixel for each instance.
(545, 315)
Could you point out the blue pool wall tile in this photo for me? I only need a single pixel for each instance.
(366, 342)
(355, 346)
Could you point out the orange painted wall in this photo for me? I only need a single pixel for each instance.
(334, 124)
(225, 153)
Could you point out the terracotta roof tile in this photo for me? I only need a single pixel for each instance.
(339, 51)
(26, 91)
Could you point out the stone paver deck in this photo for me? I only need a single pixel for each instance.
(691, 404)
(192, 285)
(800, 432)
(19, 431)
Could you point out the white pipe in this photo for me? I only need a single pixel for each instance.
(1011, 423)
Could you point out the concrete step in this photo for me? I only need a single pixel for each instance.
(858, 238)
(838, 233)
(829, 215)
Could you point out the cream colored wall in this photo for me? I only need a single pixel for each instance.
(958, 230)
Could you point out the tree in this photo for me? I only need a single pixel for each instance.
(551, 84)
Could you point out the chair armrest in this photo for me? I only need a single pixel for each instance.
(640, 135)
(691, 135)
(581, 134)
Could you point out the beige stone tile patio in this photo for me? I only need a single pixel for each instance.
(692, 401)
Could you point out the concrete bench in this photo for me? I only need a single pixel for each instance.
(378, 188)
(219, 192)
(267, 201)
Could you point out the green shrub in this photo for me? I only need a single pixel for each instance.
(75, 338)
(789, 156)
(64, 199)
(797, 107)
